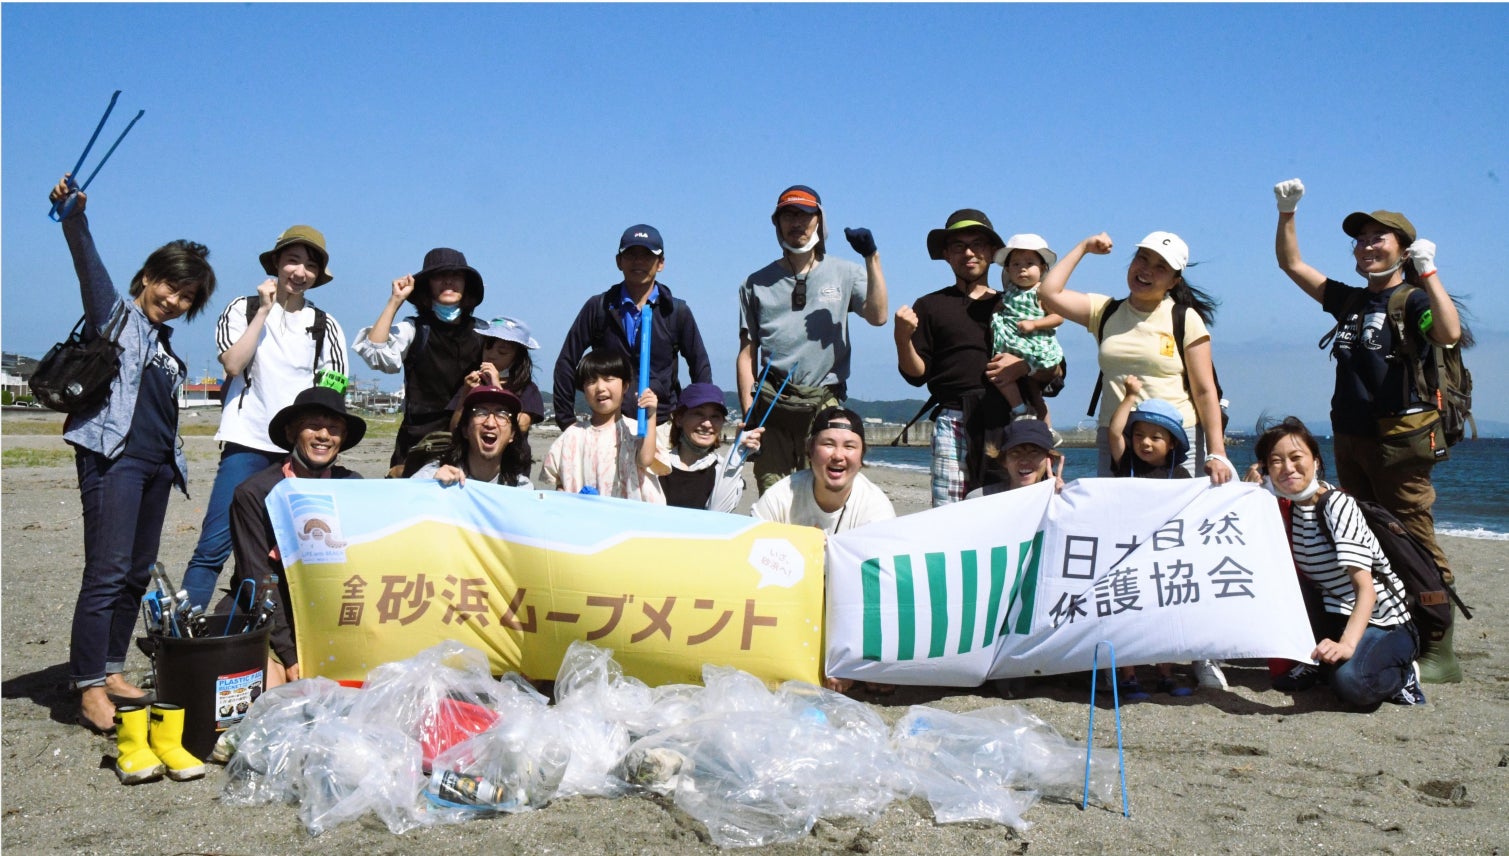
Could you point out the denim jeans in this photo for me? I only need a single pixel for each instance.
(124, 501)
(214, 547)
(1379, 667)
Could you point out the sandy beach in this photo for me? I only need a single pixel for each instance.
(1249, 770)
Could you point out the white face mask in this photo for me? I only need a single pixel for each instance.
(1308, 491)
(1383, 274)
(807, 248)
(448, 314)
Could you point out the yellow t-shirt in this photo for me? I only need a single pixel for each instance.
(1142, 343)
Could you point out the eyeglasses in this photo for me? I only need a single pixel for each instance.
(1366, 240)
(978, 246)
(481, 414)
(799, 293)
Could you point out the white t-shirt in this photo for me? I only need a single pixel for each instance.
(282, 368)
(791, 500)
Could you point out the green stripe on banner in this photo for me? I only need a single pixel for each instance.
(968, 565)
(937, 592)
(997, 585)
(869, 581)
(906, 615)
(1027, 570)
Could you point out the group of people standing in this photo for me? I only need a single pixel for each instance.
(989, 359)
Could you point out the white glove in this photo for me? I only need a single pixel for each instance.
(1288, 193)
(1423, 254)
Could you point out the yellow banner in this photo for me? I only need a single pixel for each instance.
(382, 570)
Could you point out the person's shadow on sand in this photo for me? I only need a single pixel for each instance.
(47, 688)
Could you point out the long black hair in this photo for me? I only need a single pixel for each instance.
(1186, 295)
(517, 459)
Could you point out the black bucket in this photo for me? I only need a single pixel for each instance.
(213, 678)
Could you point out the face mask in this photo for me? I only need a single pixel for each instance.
(805, 248)
(1308, 491)
(304, 462)
(448, 314)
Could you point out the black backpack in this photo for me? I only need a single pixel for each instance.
(318, 331)
(1426, 594)
(1100, 333)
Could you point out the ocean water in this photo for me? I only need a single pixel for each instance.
(1472, 488)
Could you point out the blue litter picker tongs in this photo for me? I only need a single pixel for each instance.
(53, 212)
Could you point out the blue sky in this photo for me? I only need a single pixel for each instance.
(530, 136)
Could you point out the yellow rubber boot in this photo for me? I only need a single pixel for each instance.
(135, 761)
(1438, 662)
(167, 742)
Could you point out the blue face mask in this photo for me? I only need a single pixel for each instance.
(448, 314)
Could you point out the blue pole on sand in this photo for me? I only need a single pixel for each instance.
(1126, 809)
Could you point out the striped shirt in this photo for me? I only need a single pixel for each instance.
(1324, 561)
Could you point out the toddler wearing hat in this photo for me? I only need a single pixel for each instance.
(1147, 438)
(1021, 330)
(1148, 441)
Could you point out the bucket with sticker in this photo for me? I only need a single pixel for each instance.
(214, 678)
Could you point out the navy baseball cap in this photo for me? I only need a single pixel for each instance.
(642, 235)
(698, 394)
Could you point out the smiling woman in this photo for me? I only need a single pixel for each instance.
(271, 345)
(1140, 335)
(700, 477)
(127, 455)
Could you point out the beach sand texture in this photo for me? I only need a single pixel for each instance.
(1251, 770)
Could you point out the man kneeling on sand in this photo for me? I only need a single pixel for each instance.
(314, 429)
(831, 494)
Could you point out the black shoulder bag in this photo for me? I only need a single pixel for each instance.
(75, 375)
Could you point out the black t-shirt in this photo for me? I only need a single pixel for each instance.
(1370, 381)
(685, 489)
(154, 425)
(953, 338)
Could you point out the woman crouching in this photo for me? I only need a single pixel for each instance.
(1365, 642)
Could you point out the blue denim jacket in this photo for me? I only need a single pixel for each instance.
(104, 428)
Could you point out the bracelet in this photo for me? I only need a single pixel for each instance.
(1223, 459)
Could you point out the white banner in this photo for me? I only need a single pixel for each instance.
(1029, 582)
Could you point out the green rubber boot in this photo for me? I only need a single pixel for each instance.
(1438, 662)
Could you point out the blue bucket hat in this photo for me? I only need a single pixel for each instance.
(1159, 413)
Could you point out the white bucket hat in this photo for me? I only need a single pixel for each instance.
(510, 330)
(1170, 246)
(1027, 241)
